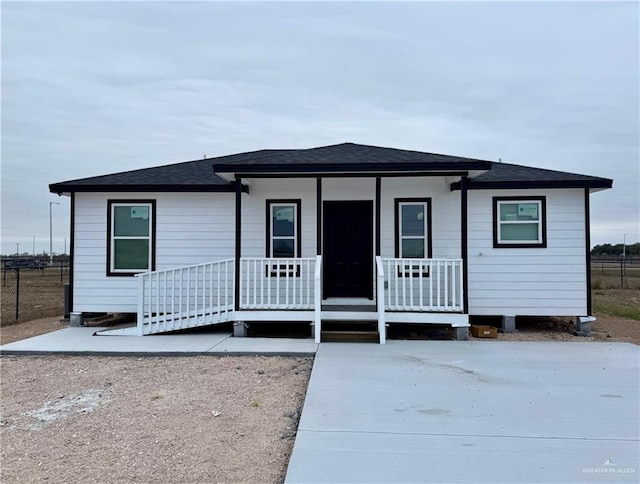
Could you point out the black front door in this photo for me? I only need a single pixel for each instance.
(347, 253)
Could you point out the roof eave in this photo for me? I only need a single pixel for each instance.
(320, 168)
(600, 184)
(63, 188)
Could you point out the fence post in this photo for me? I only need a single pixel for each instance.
(17, 292)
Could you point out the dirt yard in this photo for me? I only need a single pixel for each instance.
(40, 294)
(111, 419)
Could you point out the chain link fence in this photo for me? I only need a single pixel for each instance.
(32, 291)
(615, 274)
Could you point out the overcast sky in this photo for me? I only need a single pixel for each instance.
(95, 88)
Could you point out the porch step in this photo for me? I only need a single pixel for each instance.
(367, 316)
(350, 336)
(354, 331)
(351, 308)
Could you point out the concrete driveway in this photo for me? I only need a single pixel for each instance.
(435, 411)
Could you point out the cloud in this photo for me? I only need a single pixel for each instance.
(93, 88)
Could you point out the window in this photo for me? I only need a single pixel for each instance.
(283, 228)
(413, 228)
(519, 222)
(131, 237)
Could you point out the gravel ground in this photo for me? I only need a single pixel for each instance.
(178, 420)
(16, 332)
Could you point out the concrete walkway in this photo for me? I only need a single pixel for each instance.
(80, 341)
(436, 411)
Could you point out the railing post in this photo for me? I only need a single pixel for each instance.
(140, 304)
(382, 330)
(461, 275)
(317, 302)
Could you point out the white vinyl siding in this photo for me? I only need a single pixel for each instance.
(199, 227)
(445, 213)
(190, 228)
(528, 281)
(255, 218)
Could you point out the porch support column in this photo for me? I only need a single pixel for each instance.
(238, 247)
(72, 249)
(318, 216)
(463, 244)
(378, 192)
(587, 248)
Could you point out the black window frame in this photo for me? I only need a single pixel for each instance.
(397, 203)
(282, 269)
(542, 244)
(152, 235)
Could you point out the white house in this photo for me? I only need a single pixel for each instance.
(337, 233)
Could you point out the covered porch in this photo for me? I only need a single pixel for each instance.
(426, 291)
(312, 234)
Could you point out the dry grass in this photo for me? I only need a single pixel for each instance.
(41, 294)
(623, 303)
(610, 276)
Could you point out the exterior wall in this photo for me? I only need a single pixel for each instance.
(254, 228)
(199, 227)
(190, 228)
(445, 213)
(547, 281)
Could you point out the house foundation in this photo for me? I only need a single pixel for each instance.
(240, 329)
(76, 320)
(461, 333)
(508, 324)
(583, 326)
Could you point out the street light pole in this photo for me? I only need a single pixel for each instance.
(51, 233)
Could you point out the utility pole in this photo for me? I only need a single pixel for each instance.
(33, 252)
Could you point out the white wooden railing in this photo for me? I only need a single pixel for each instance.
(185, 297)
(278, 283)
(421, 284)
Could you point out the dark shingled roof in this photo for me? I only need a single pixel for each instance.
(345, 157)
(200, 175)
(519, 176)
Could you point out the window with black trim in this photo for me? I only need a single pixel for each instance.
(519, 222)
(413, 230)
(283, 234)
(130, 236)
